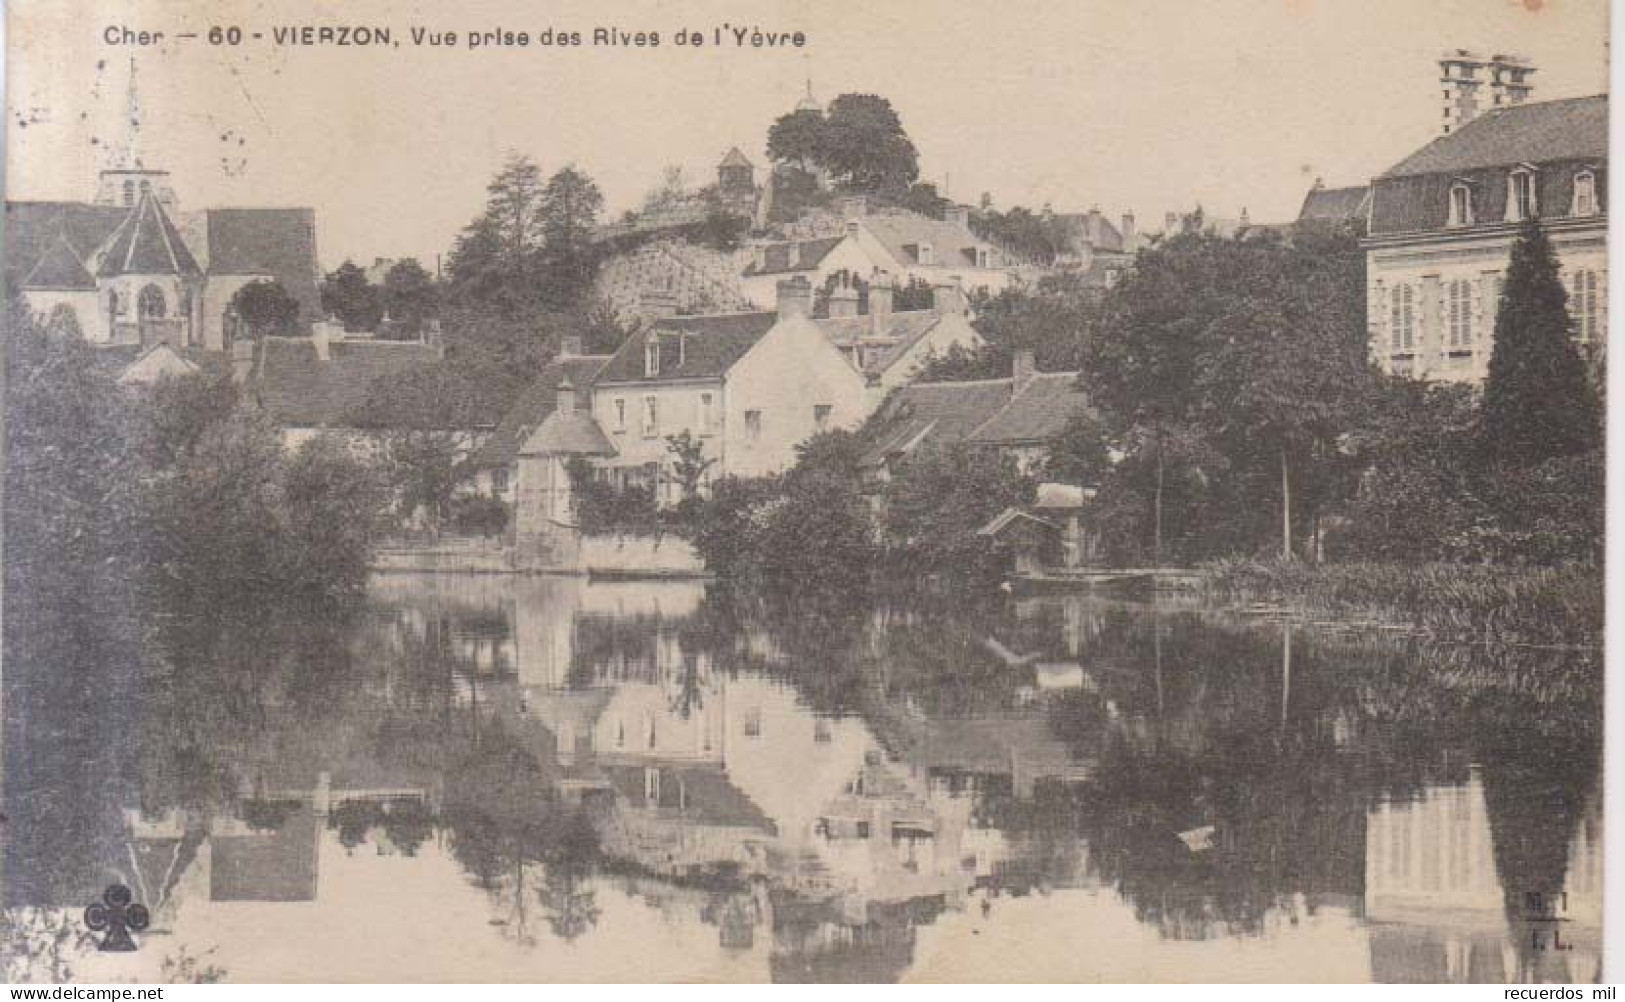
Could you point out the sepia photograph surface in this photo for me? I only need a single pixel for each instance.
(803, 492)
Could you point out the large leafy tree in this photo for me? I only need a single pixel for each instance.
(1538, 401)
(410, 295)
(1260, 344)
(866, 148)
(347, 295)
(860, 142)
(570, 206)
(798, 138)
(266, 308)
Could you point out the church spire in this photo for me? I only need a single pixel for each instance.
(126, 176)
(809, 103)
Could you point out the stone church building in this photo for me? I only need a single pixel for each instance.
(133, 266)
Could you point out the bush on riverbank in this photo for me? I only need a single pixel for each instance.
(1558, 606)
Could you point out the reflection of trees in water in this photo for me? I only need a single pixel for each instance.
(1536, 787)
(1283, 743)
(517, 840)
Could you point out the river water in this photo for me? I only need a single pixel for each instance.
(486, 778)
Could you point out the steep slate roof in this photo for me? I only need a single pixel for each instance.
(276, 242)
(1037, 414)
(1543, 131)
(942, 412)
(735, 159)
(1091, 227)
(903, 331)
(776, 258)
(147, 243)
(980, 411)
(899, 231)
(1334, 204)
(299, 389)
(31, 228)
(535, 403)
(711, 345)
(60, 268)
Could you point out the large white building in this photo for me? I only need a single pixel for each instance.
(1441, 223)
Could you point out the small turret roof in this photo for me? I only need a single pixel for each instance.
(734, 158)
(568, 433)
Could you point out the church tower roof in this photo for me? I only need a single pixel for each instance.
(735, 159)
(147, 243)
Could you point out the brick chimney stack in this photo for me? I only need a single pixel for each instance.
(881, 302)
(1022, 369)
(1509, 80)
(1459, 75)
(948, 297)
(795, 298)
(843, 299)
(657, 304)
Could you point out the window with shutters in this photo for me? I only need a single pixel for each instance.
(1584, 305)
(1459, 314)
(1402, 319)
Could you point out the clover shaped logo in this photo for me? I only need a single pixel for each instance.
(119, 915)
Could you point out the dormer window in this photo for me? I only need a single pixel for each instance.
(927, 256)
(1521, 195)
(1585, 194)
(983, 259)
(651, 357)
(1461, 204)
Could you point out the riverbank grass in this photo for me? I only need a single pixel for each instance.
(1536, 606)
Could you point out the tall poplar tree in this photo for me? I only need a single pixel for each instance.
(1538, 401)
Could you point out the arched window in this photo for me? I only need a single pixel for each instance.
(1585, 306)
(150, 304)
(1459, 299)
(1461, 204)
(1402, 319)
(1585, 194)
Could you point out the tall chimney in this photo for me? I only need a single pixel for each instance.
(843, 299)
(242, 359)
(1128, 228)
(880, 299)
(1458, 76)
(795, 298)
(1509, 80)
(657, 304)
(321, 333)
(565, 401)
(1022, 369)
(854, 207)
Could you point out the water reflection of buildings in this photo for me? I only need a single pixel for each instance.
(723, 775)
(1440, 911)
(265, 848)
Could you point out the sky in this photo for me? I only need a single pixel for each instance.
(1146, 106)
